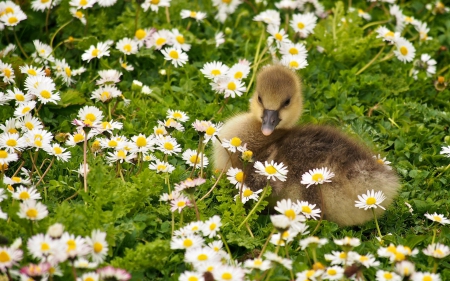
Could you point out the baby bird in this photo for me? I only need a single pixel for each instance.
(270, 132)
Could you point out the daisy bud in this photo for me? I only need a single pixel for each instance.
(280, 222)
(56, 230)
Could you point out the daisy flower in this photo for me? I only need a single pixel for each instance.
(74, 246)
(12, 142)
(387, 35)
(438, 218)
(233, 145)
(438, 251)
(127, 46)
(39, 139)
(175, 55)
(211, 226)
(6, 157)
(337, 257)
(42, 246)
(201, 255)
(348, 242)
(197, 15)
(229, 86)
(160, 38)
(154, 5)
(172, 124)
(179, 204)
(110, 76)
(32, 70)
(141, 143)
(106, 3)
(125, 65)
(289, 210)
(84, 263)
(313, 241)
(189, 241)
(179, 41)
(308, 209)
(368, 260)
(109, 126)
(111, 273)
(13, 19)
(90, 114)
(32, 210)
(191, 276)
(235, 175)
(239, 71)
(194, 160)
(405, 268)
(219, 38)
(405, 51)
(178, 115)
(82, 4)
(278, 35)
(102, 49)
(18, 96)
(89, 276)
(370, 200)
(227, 273)
(317, 176)
(213, 70)
(294, 62)
(248, 194)
(76, 138)
(120, 156)
(168, 145)
(425, 276)
(423, 30)
(9, 257)
(287, 263)
(333, 273)
(10, 126)
(99, 246)
(382, 161)
(43, 52)
(106, 93)
(383, 275)
(76, 13)
(161, 167)
(304, 24)
(271, 17)
(272, 170)
(7, 72)
(45, 92)
(427, 64)
(143, 34)
(24, 193)
(295, 49)
(258, 263)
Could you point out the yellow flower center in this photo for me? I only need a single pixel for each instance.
(235, 141)
(24, 195)
(231, 86)
(161, 167)
(212, 226)
(32, 213)
(387, 275)
(310, 273)
(89, 279)
(187, 243)
(257, 262)
(278, 36)
(45, 94)
(202, 257)
(140, 34)
(306, 209)
(270, 170)
(45, 246)
(371, 201)
(193, 14)
(173, 54)
(127, 48)
(31, 72)
(26, 109)
(247, 193)
(4, 257)
(331, 271)
(112, 143)
(3, 154)
(210, 131)
(141, 141)
(177, 115)
(317, 177)
(180, 39)
(98, 247)
(300, 25)
(57, 150)
(192, 278)
(29, 125)
(78, 138)
(239, 176)
(399, 256)
(79, 14)
(194, 159)
(427, 278)
(71, 245)
(293, 64)
(68, 71)
(215, 72)
(154, 2)
(168, 146)
(392, 249)
(38, 143)
(227, 275)
(290, 214)
(9, 10)
(83, 2)
(389, 34)
(160, 41)
(105, 96)
(13, 131)
(95, 52)
(403, 50)
(11, 142)
(159, 131)
(437, 218)
(16, 179)
(293, 51)
(238, 75)
(438, 252)
(121, 154)
(363, 258)
(12, 20)
(342, 255)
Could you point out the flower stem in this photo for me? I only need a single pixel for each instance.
(256, 206)
(435, 266)
(57, 31)
(378, 227)
(372, 61)
(18, 43)
(45, 172)
(47, 17)
(434, 236)
(136, 19)
(267, 242)
(197, 214)
(226, 245)
(84, 163)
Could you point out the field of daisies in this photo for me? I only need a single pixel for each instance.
(108, 112)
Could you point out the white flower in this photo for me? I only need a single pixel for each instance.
(278, 35)
(12, 142)
(201, 255)
(191, 276)
(405, 51)
(304, 24)
(32, 210)
(382, 161)
(127, 46)
(211, 226)
(382, 275)
(294, 61)
(275, 258)
(438, 218)
(199, 16)
(290, 210)
(370, 200)
(258, 263)
(102, 49)
(333, 273)
(348, 241)
(6, 158)
(186, 242)
(7, 72)
(108, 76)
(161, 166)
(195, 159)
(219, 38)
(248, 194)
(10, 257)
(235, 176)
(308, 209)
(272, 170)
(24, 193)
(13, 19)
(175, 55)
(168, 145)
(179, 41)
(229, 86)
(228, 273)
(178, 115)
(233, 145)
(213, 70)
(317, 176)
(313, 241)
(98, 245)
(438, 251)
(269, 16)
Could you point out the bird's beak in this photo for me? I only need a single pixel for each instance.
(269, 121)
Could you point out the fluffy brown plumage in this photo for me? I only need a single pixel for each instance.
(269, 131)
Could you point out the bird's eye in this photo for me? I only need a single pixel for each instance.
(287, 102)
(259, 99)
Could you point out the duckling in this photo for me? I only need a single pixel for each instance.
(269, 129)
